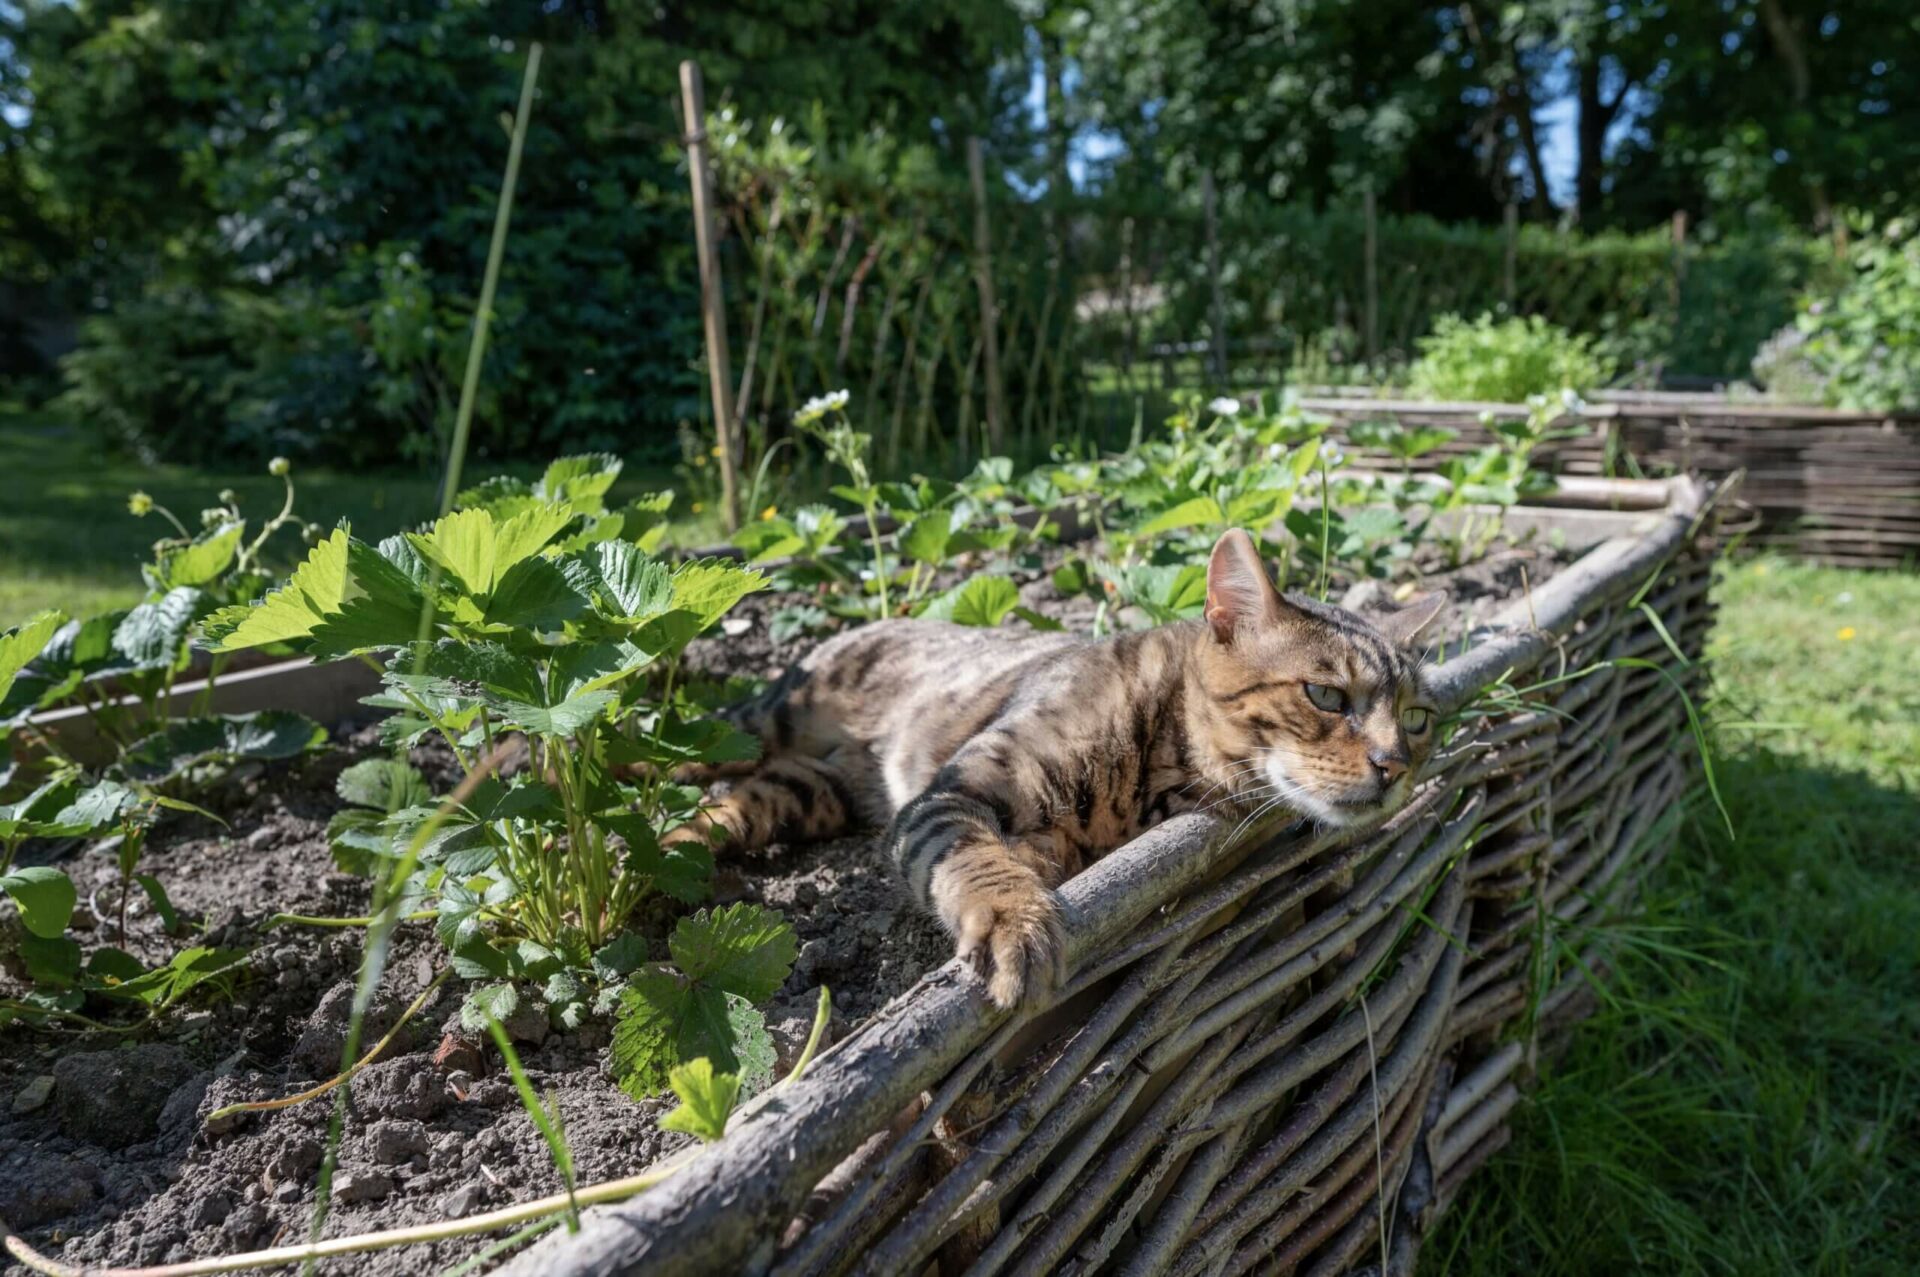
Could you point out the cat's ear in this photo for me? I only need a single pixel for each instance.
(1404, 624)
(1238, 591)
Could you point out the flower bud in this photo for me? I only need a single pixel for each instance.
(139, 504)
(279, 467)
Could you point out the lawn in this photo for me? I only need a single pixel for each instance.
(1746, 1102)
(68, 541)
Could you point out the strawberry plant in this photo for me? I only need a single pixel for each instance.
(531, 619)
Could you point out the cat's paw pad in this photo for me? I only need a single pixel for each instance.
(1011, 930)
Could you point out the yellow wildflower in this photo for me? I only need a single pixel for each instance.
(769, 512)
(1846, 634)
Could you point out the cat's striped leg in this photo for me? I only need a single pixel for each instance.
(992, 893)
(787, 799)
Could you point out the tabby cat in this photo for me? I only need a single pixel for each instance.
(1003, 762)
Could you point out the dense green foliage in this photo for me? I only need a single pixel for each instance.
(1863, 340)
(1504, 360)
(269, 221)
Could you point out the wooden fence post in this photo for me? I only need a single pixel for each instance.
(1373, 273)
(693, 100)
(1679, 255)
(1217, 347)
(1510, 222)
(989, 309)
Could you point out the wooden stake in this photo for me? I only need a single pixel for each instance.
(1373, 273)
(1217, 348)
(693, 100)
(1510, 220)
(989, 309)
(1679, 254)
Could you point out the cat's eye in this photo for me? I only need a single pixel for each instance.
(1330, 700)
(1415, 720)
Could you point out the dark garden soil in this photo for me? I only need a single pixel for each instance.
(104, 1154)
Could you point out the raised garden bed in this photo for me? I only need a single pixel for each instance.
(1205, 1046)
(1828, 485)
(1262, 1033)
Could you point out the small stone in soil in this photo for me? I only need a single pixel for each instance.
(462, 1202)
(33, 1094)
(298, 1158)
(392, 1142)
(362, 1186)
(210, 1210)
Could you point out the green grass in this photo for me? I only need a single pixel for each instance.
(1751, 1108)
(67, 540)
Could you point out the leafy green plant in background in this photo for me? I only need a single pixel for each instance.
(1863, 340)
(143, 651)
(1504, 360)
(547, 623)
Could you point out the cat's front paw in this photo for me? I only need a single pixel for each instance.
(1003, 918)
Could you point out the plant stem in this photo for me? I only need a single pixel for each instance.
(308, 920)
(540, 1208)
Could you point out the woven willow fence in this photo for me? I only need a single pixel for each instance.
(1267, 1035)
(1829, 485)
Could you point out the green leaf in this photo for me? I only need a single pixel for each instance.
(23, 642)
(385, 784)
(462, 544)
(569, 717)
(1039, 621)
(266, 736)
(583, 481)
(359, 841)
(706, 1100)
(620, 956)
(97, 806)
(768, 539)
(535, 595)
(678, 741)
(198, 563)
(634, 587)
(664, 1020)
(753, 1053)
(1195, 512)
(526, 534)
(45, 896)
(487, 670)
(683, 871)
(157, 895)
(163, 986)
(152, 635)
(51, 962)
(314, 592)
(708, 588)
(114, 966)
(489, 1002)
(743, 949)
(983, 601)
(925, 539)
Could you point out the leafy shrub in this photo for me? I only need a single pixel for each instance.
(1864, 338)
(1504, 360)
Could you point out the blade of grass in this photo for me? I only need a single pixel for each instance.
(548, 1124)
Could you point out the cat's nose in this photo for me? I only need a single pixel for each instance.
(1388, 765)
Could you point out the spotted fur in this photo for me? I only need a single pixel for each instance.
(1003, 763)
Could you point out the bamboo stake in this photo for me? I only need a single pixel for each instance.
(1510, 227)
(989, 310)
(693, 101)
(1217, 348)
(1372, 254)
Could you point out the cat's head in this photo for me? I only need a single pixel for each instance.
(1319, 707)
